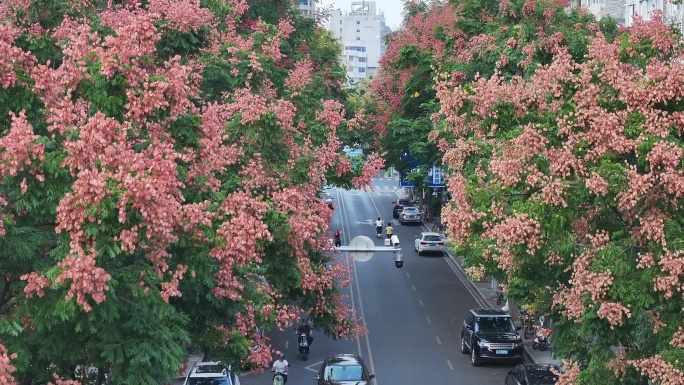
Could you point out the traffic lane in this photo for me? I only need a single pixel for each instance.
(448, 299)
(436, 291)
(414, 328)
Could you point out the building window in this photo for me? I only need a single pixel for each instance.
(358, 38)
(361, 69)
(358, 30)
(340, 30)
(358, 22)
(303, 2)
(340, 22)
(362, 59)
(354, 48)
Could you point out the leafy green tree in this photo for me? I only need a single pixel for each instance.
(159, 170)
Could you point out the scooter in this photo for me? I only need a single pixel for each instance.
(278, 379)
(378, 231)
(541, 342)
(329, 201)
(303, 346)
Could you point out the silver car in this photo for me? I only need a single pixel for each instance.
(409, 215)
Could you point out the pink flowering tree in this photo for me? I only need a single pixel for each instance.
(160, 166)
(567, 182)
(563, 137)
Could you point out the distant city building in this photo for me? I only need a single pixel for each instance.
(362, 35)
(672, 13)
(307, 7)
(601, 8)
(624, 11)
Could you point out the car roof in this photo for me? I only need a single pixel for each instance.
(430, 233)
(208, 369)
(344, 359)
(489, 312)
(411, 208)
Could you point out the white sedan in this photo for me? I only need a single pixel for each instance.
(429, 242)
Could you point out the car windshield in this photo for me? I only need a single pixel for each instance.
(432, 238)
(410, 210)
(209, 381)
(495, 325)
(343, 373)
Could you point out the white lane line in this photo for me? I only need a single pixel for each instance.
(449, 363)
(408, 275)
(439, 342)
(414, 288)
(429, 321)
(420, 302)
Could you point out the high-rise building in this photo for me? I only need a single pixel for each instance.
(307, 7)
(362, 34)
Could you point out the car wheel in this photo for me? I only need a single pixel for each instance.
(464, 348)
(474, 358)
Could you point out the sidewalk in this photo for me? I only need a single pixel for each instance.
(487, 293)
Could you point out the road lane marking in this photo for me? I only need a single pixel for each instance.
(414, 288)
(408, 275)
(312, 366)
(439, 342)
(429, 321)
(420, 302)
(449, 363)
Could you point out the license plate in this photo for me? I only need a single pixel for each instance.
(502, 352)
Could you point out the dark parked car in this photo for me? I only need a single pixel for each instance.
(399, 205)
(491, 335)
(532, 374)
(344, 369)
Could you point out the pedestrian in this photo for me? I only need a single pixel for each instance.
(281, 366)
(338, 238)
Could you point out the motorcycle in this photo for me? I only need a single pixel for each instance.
(329, 201)
(541, 341)
(278, 379)
(303, 345)
(378, 231)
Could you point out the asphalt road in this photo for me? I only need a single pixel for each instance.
(413, 314)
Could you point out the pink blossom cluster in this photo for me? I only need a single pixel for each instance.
(658, 370)
(6, 367)
(18, 149)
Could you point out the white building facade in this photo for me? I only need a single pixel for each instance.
(601, 8)
(362, 34)
(672, 13)
(307, 7)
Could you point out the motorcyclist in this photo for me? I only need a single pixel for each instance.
(389, 230)
(305, 328)
(378, 226)
(338, 238)
(281, 366)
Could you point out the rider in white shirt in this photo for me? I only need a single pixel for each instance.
(281, 366)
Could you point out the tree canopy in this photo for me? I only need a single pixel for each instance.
(160, 169)
(562, 136)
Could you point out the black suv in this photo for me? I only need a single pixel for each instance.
(491, 335)
(399, 206)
